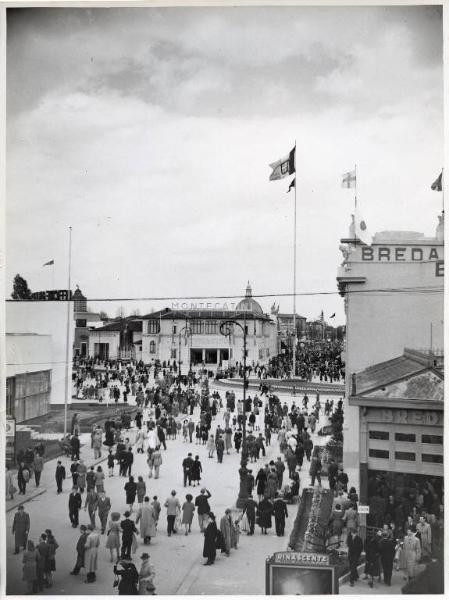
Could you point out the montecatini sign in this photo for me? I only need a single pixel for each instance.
(206, 305)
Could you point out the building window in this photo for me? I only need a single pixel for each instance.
(405, 437)
(174, 328)
(152, 347)
(376, 453)
(432, 439)
(210, 327)
(224, 354)
(81, 323)
(432, 458)
(173, 353)
(154, 326)
(405, 456)
(197, 327)
(379, 435)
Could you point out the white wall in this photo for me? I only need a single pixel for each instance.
(48, 319)
(381, 324)
(27, 353)
(105, 337)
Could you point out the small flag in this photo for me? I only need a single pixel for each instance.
(292, 185)
(437, 185)
(284, 166)
(349, 179)
(50, 262)
(332, 316)
(361, 230)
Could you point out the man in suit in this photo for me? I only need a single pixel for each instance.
(355, 547)
(250, 510)
(128, 528)
(387, 548)
(280, 514)
(59, 476)
(74, 506)
(187, 467)
(80, 550)
(104, 506)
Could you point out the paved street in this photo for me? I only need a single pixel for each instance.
(178, 560)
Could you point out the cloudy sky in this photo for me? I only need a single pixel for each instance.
(149, 131)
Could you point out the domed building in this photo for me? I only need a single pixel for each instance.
(248, 303)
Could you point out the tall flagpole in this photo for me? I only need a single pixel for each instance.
(355, 187)
(67, 352)
(442, 188)
(294, 278)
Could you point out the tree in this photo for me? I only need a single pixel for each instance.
(120, 313)
(135, 313)
(103, 315)
(21, 291)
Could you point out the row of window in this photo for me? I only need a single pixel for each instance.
(406, 437)
(196, 327)
(409, 456)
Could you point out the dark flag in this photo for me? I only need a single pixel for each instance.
(437, 185)
(292, 185)
(284, 166)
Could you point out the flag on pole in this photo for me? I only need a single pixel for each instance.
(332, 316)
(284, 166)
(292, 185)
(349, 179)
(50, 262)
(437, 185)
(361, 230)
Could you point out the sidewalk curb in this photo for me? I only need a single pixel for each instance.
(25, 500)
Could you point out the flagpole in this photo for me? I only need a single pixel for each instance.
(53, 276)
(355, 187)
(294, 280)
(67, 353)
(442, 188)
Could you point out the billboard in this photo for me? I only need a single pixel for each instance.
(288, 573)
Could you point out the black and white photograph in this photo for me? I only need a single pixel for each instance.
(223, 276)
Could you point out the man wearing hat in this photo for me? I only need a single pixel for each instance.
(20, 528)
(80, 550)
(387, 548)
(146, 576)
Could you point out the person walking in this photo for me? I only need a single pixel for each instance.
(387, 549)
(411, 549)
(103, 507)
(99, 480)
(50, 564)
(91, 554)
(30, 557)
(113, 536)
(141, 490)
(60, 475)
(97, 443)
(74, 506)
(265, 510)
(210, 536)
(38, 467)
(146, 517)
(131, 491)
(280, 514)
(425, 533)
(42, 549)
(203, 508)
(91, 505)
(10, 489)
(173, 506)
(186, 468)
(191, 428)
(280, 468)
(227, 530)
(111, 463)
(156, 461)
(220, 449)
(261, 482)
(355, 546)
(20, 529)
(75, 447)
(23, 477)
(129, 578)
(250, 511)
(128, 530)
(82, 472)
(147, 574)
(195, 471)
(90, 479)
(211, 446)
(372, 566)
(188, 510)
(315, 470)
(80, 550)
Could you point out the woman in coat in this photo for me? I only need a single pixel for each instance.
(141, 490)
(227, 528)
(336, 528)
(211, 445)
(146, 516)
(129, 578)
(113, 535)
(91, 554)
(82, 471)
(50, 565)
(210, 536)
(261, 482)
(264, 512)
(351, 518)
(10, 489)
(372, 566)
(272, 484)
(29, 560)
(147, 574)
(131, 491)
(195, 471)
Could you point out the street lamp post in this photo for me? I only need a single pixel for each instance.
(226, 329)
